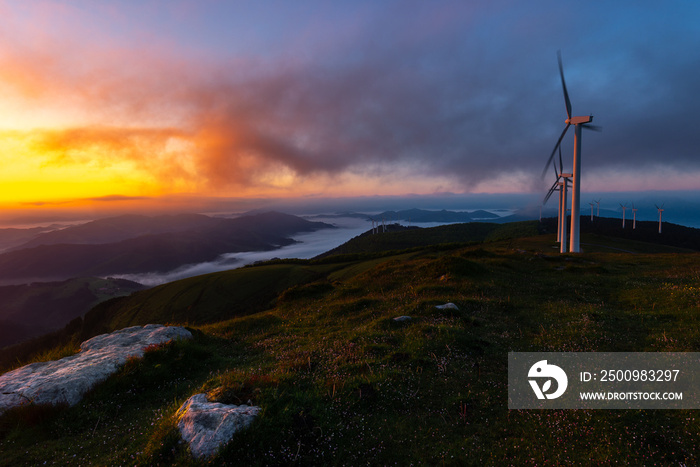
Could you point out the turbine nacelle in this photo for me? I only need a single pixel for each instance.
(579, 120)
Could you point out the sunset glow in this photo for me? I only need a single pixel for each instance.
(119, 101)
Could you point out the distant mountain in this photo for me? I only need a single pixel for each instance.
(115, 229)
(11, 237)
(138, 244)
(422, 215)
(34, 309)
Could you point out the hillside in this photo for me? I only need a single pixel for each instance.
(646, 231)
(400, 238)
(145, 244)
(31, 310)
(340, 382)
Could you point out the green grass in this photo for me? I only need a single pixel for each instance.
(340, 383)
(472, 232)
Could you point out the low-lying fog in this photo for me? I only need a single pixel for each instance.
(308, 246)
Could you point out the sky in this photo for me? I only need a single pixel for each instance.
(141, 104)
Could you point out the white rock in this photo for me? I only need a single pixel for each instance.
(65, 381)
(447, 306)
(207, 426)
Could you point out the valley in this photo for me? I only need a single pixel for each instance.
(141, 244)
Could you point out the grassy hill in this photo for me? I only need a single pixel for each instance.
(646, 231)
(340, 383)
(402, 237)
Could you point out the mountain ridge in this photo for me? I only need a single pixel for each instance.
(119, 228)
(196, 239)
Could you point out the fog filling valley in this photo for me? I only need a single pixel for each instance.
(308, 245)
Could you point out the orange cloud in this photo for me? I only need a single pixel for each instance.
(240, 128)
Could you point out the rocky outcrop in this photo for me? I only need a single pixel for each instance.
(65, 381)
(207, 426)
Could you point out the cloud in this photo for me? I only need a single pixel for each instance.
(468, 96)
(117, 198)
(76, 145)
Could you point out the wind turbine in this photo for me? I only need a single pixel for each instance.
(591, 203)
(578, 122)
(624, 208)
(634, 214)
(562, 187)
(597, 214)
(373, 222)
(660, 211)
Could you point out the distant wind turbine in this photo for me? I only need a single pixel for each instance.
(660, 211)
(578, 122)
(597, 214)
(624, 208)
(373, 223)
(634, 214)
(591, 203)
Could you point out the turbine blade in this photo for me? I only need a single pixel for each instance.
(554, 151)
(563, 84)
(561, 164)
(597, 128)
(549, 193)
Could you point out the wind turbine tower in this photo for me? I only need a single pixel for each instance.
(634, 217)
(578, 122)
(561, 186)
(624, 208)
(562, 211)
(562, 214)
(591, 203)
(660, 209)
(597, 214)
(374, 231)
